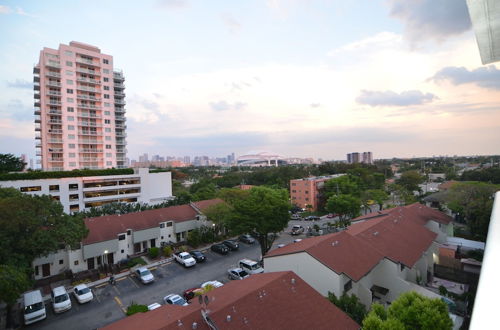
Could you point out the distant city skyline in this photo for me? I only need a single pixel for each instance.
(289, 77)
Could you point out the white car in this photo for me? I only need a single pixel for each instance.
(237, 274)
(175, 299)
(82, 293)
(214, 284)
(153, 306)
(60, 300)
(144, 275)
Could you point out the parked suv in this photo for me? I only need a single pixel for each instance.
(246, 238)
(297, 229)
(220, 248)
(232, 245)
(251, 266)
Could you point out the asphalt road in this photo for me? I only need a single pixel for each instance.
(110, 301)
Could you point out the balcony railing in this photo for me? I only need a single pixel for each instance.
(87, 106)
(119, 110)
(89, 141)
(86, 61)
(55, 140)
(53, 93)
(88, 133)
(91, 160)
(56, 160)
(55, 112)
(120, 102)
(53, 64)
(49, 102)
(119, 85)
(87, 71)
(55, 121)
(121, 142)
(92, 151)
(53, 84)
(82, 123)
(88, 80)
(56, 150)
(118, 135)
(88, 115)
(118, 94)
(53, 74)
(55, 131)
(118, 76)
(88, 89)
(38, 119)
(121, 126)
(87, 97)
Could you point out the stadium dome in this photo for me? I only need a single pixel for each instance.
(263, 158)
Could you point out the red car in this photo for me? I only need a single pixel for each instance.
(332, 215)
(191, 293)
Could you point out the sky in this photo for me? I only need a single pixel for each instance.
(300, 78)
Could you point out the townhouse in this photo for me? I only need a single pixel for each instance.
(379, 257)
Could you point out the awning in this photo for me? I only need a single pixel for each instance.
(379, 289)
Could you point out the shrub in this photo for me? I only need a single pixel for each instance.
(136, 261)
(194, 238)
(443, 291)
(182, 248)
(136, 308)
(154, 252)
(167, 251)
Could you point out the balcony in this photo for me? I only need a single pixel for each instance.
(88, 133)
(53, 93)
(118, 76)
(37, 111)
(37, 136)
(89, 124)
(88, 80)
(36, 70)
(89, 141)
(120, 126)
(37, 103)
(55, 112)
(38, 119)
(119, 85)
(53, 64)
(51, 102)
(88, 115)
(88, 106)
(121, 142)
(37, 95)
(120, 102)
(38, 145)
(90, 159)
(87, 61)
(53, 74)
(88, 89)
(55, 141)
(118, 135)
(37, 129)
(59, 150)
(53, 84)
(87, 71)
(56, 160)
(120, 110)
(118, 94)
(90, 151)
(87, 97)
(56, 131)
(120, 118)
(36, 86)
(55, 121)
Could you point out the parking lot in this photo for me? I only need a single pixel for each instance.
(110, 301)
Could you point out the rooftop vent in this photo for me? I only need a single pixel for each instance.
(292, 281)
(228, 318)
(194, 326)
(375, 233)
(335, 243)
(179, 323)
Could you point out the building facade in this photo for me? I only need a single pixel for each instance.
(357, 157)
(79, 193)
(79, 109)
(305, 193)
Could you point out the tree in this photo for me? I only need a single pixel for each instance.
(13, 281)
(410, 311)
(410, 180)
(474, 201)
(377, 195)
(263, 212)
(11, 163)
(346, 206)
(350, 305)
(220, 214)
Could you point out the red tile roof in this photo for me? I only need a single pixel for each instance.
(280, 300)
(202, 205)
(107, 227)
(398, 234)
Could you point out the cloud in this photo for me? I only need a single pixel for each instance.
(5, 9)
(19, 11)
(315, 105)
(485, 77)
(390, 98)
(174, 4)
(431, 19)
(224, 106)
(20, 83)
(232, 24)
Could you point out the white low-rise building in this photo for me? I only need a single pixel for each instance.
(79, 193)
(113, 238)
(376, 259)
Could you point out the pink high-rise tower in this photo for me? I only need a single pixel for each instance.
(79, 109)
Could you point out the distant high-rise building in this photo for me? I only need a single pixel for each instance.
(367, 157)
(144, 158)
(79, 109)
(187, 160)
(353, 158)
(356, 157)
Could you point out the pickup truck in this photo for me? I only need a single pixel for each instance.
(185, 259)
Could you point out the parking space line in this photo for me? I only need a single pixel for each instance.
(137, 286)
(121, 279)
(153, 268)
(116, 289)
(101, 285)
(119, 302)
(97, 297)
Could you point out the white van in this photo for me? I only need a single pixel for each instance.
(250, 266)
(34, 309)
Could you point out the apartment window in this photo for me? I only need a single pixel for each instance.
(69, 91)
(61, 261)
(162, 225)
(122, 251)
(72, 155)
(69, 73)
(106, 96)
(294, 191)
(402, 267)
(71, 109)
(71, 146)
(69, 81)
(32, 188)
(108, 154)
(68, 53)
(107, 113)
(109, 163)
(106, 79)
(307, 191)
(106, 71)
(70, 100)
(294, 184)
(54, 187)
(56, 198)
(71, 127)
(169, 224)
(69, 63)
(74, 208)
(73, 197)
(129, 232)
(105, 61)
(76, 262)
(37, 272)
(307, 199)
(108, 138)
(73, 186)
(106, 88)
(122, 237)
(348, 286)
(107, 121)
(108, 146)
(72, 164)
(71, 118)
(106, 104)
(107, 130)
(71, 136)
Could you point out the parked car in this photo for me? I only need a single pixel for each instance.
(34, 308)
(60, 300)
(191, 293)
(237, 274)
(144, 275)
(82, 293)
(232, 245)
(215, 284)
(311, 218)
(296, 216)
(175, 299)
(198, 256)
(153, 306)
(297, 240)
(280, 245)
(185, 259)
(220, 248)
(297, 229)
(250, 266)
(246, 238)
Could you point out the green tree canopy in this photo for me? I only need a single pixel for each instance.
(347, 206)
(410, 311)
(13, 281)
(10, 163)
(410, 180)
(379, 196)
(262, 212)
